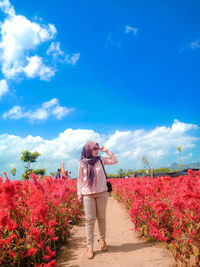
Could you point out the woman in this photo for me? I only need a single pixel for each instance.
(92, 188)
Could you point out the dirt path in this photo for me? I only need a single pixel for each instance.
(125, 249)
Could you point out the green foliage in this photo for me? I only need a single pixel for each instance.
(13, 171)
(52, 174)
(141, 172)
(29, 157)
(111, 175)
(121, 173)
(26, 174)
(40, 172)
(160, 170)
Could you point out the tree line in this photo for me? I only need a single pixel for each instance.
(122, 173)
(28, 158)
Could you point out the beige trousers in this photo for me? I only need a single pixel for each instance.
(95, 207)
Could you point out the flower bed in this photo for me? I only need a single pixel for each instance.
(35, 218)
(165, 209)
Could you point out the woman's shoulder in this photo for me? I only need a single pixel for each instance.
(81, 163)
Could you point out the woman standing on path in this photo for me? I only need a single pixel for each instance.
(91, 186)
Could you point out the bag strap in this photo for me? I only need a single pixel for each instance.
(103, 167)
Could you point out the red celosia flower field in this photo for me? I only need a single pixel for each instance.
(35, 217)
(165, 209)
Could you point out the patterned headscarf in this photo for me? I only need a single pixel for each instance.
(89, 160)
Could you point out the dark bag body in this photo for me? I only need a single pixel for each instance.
(109, 185)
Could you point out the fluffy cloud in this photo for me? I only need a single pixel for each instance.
(3, 87)
(160, 143)
(156, 143)
(7, 7)
(129, 29)
(48, 108)
(20, 39)
(36, 67)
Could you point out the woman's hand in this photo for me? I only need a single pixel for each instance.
(103, 149)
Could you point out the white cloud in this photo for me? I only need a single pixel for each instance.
(38, 115)
(15, 113)
(48, 109)
(60, 56)
(50, 103)
(195, 44)
(36, 67)
(72, 59)
(159, 143)
(7, 7)
(55, 50)
(20, 39)
(60, 112)
(129, 29)
(3, 87)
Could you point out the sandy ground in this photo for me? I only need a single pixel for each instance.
(125, 249)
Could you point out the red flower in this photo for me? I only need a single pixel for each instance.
(49, 252)
(12, 254)
(12, 225)
(52, 222)
(32, 251)
(25, 224)
(51, 264)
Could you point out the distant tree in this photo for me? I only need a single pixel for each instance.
(121, 173)
(29, 157)
(40, 172)
(140, 172)
(162, 170)
(26, 174)
(13, 171)
(147, 164)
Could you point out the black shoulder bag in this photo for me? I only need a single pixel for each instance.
(109, 185)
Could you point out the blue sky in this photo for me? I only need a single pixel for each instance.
(123, 72)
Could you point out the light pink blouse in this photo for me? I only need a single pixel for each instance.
(99, 183)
